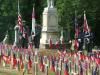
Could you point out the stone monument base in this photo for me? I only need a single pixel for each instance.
(45, 40)
(46, 46)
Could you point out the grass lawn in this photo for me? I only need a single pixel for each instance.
(7, 72)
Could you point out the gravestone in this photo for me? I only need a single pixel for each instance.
(50, 25)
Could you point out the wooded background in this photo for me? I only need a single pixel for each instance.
(66, 13)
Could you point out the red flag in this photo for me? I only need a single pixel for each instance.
(63, 45)
(6, 59)
(97, 61)
(50, 43)
(86, 28)
(41, 64)
(76, 45)
(20, 23)
(29, 63)
(14, 62)
(21, 62)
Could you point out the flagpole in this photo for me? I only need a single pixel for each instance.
(75, 19)
(33, 21)
(84, 33)
(18, 7)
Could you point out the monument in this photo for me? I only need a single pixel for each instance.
(50, 25)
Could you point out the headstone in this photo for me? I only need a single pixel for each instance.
(50, 25)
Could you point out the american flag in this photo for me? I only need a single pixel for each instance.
(33, 21)
(20, 23)
(86, 28)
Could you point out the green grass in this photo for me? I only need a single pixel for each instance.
(3, 72)
(52, 73)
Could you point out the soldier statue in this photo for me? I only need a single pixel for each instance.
(50, 3)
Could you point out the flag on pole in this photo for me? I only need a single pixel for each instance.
(76, 44)
(86, 28)
(20, 23)
(29, 63)
(52, 65)
(81, 69)
(86, 31)
(66, 69)
(42, 67)
(14, 61)
(95, 71)
(33, 21)
(57, 44)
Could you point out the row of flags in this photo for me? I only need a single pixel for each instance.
(65, 62)
(59, 44)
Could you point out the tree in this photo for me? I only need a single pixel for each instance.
(66, 9)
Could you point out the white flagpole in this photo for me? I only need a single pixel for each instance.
(33, 21)
(18, 8)
(61, 37)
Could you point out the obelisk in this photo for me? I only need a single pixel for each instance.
(50, 25)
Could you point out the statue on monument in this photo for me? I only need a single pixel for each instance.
(50, 3)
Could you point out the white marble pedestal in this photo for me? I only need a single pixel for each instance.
(50, 27)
